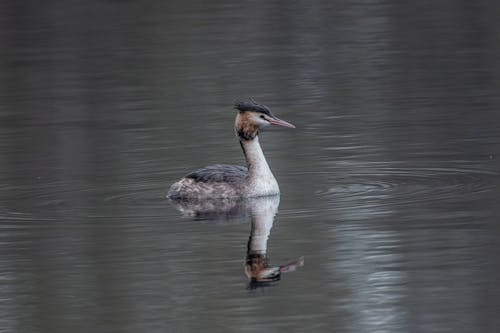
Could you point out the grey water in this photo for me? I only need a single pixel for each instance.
(389, 216)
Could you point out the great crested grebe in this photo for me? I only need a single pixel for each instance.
(230, 181)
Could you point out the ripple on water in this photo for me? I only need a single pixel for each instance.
(382, 183)
(57, 198)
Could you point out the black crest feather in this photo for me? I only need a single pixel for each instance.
(252, 106)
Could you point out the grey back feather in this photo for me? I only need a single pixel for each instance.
(219, 173)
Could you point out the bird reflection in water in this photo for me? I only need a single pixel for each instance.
(262, 211)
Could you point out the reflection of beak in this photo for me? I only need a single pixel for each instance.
(292, 265)
(278, 122)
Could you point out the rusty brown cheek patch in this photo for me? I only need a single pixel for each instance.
(246, 129)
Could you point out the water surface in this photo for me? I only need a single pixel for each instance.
(389, 183)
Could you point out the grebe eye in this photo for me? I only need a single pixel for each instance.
(262, 116)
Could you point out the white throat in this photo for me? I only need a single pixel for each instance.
(260, 179)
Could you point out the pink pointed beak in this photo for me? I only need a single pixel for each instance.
(278, 122)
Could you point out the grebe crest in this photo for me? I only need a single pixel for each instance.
(229, 181)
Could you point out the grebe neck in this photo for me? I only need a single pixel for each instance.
(260, 177)
(256, 161)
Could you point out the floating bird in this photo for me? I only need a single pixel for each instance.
(232, 181)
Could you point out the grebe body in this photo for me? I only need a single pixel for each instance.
(230, 181)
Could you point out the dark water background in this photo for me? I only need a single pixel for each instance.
(389, 183)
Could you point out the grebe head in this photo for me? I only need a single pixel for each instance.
(252, 117)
